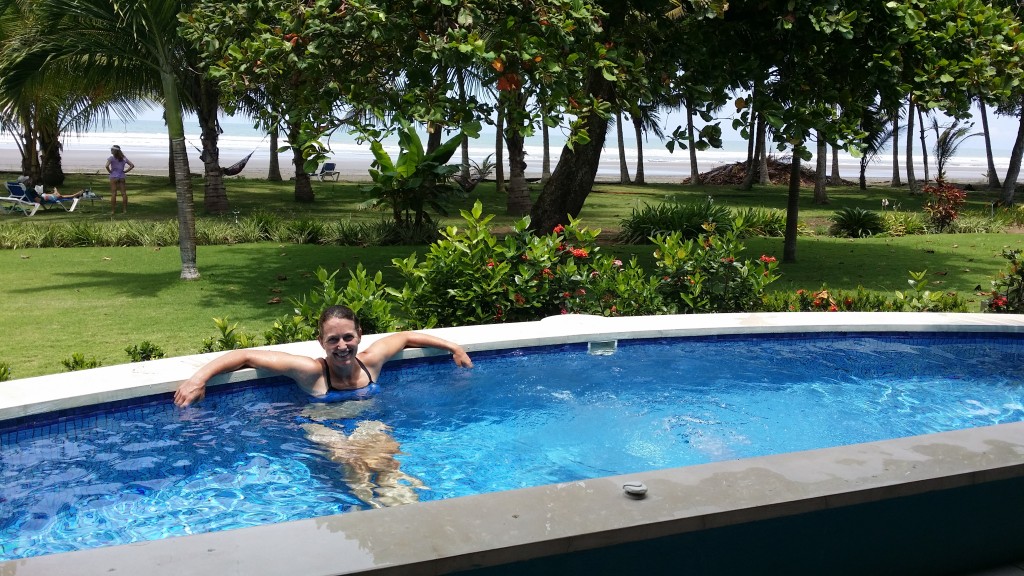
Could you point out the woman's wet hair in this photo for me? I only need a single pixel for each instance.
(339, 312)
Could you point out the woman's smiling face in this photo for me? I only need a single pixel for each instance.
(340, 339)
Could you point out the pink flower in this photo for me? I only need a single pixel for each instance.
(558, 229)
(617, 262)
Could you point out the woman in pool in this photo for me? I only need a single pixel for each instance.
(344, 368)
(366, 455)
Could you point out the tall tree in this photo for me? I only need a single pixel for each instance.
(993, 176)
(134, 40)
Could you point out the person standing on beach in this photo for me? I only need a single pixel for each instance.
(117, 166)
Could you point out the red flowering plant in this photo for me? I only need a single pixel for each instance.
(1007, 295)
(943, 204)
(707, 274)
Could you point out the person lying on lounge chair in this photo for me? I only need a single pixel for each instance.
(56, 196)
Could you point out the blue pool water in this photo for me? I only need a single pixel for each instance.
(245, 457)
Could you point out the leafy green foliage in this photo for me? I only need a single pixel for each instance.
(143, 351)
(1008, 286)
(78, 361)
(903, 223)
(230, 338)
(5, 371)
(853, 222)
(416, 180)
(472, 277)
(690, 220)
(706, 274)
(920, 299)
(364, 294)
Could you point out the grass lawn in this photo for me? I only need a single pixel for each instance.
(98, 301)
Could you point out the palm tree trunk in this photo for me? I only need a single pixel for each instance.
(274, 173)
(50, 170)
(215, 196)
(993, 176)
(896, 180)
(695, 179)
(545, 165)
(518, 202)
(460, 79)
(182, 182)
(836, 179)
(623, 167)
(924, 144)
(1013, 170)
(303, 186)
(821, 160)
(499, 150)
(762, 156)
(755, 148)
(911, 179)
(639, 129)
(792, 210)
(170, 163)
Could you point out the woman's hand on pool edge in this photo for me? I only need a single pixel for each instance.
(189, 391)
(461, 358)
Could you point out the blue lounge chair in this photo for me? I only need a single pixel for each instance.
(36, 195)
(17, 200)
(328, 170)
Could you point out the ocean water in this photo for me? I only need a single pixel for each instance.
(144, 140)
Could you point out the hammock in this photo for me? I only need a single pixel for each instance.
(237, 167)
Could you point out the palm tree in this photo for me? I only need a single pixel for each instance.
(645, 120)
(138, 43)
(993, 176)
(948, 143)
(878, 128)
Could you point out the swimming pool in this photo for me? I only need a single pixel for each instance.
(546, 390)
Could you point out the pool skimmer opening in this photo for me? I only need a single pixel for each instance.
(602, 347)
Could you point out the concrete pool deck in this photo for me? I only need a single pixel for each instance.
(883, 502)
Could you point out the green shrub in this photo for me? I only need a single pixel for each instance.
(1008, 286)
(706, 274)
(5, 371)
(78, 361)
(691, 220)
(365, 295)
(763, 222)
(976, 224)
(903, 223)
(143, 351)
(259, 226)
(918, 299)
(304, 231)
(229, 339)
(853, 222)
(825, 300)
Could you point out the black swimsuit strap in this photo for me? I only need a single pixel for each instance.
(363, 366)
(327, 373)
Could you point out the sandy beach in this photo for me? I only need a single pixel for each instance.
(87, 155)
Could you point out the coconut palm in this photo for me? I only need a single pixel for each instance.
(878, 125)
(948, 142)
(137, 43)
